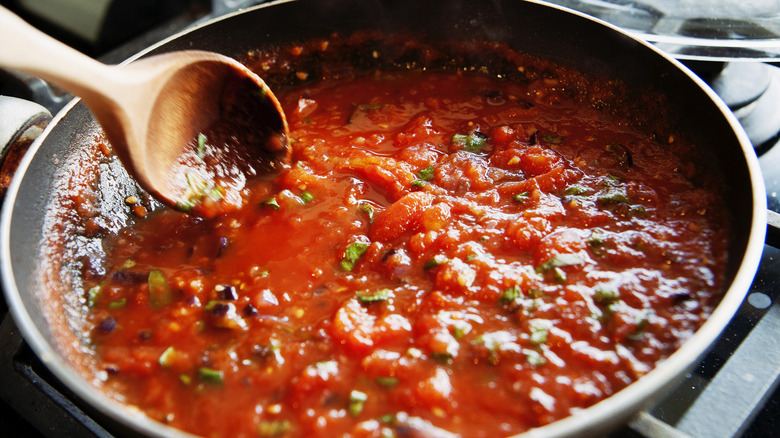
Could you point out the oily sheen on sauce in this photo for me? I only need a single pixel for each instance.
(448, 253)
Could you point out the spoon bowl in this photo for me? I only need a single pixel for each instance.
(192, 127)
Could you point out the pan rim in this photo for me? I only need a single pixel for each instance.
(622, 404)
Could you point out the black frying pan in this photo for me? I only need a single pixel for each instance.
(44, 301)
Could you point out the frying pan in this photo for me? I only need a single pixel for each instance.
(44, 302)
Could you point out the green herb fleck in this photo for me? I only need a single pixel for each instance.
(637, 211)
(271, 203)
(612, 192)
(93, 295)
(605, 295)
(472, 142)
(535, 358)
(641, 321)
(160, 292)
(419, 183)
(539, 332)
(367, 209)
(357, 400)
(166, 358)
(460, 330)
(371, 106)
(374, 296)
(414, 353)
(596, 242)
(210, 375)
(621, 153)
(560, 260)
(387, 382)
(596, 239)
(442, 357)
(185, 379)
(274, 428)
(118, 304)
(575, 189)
(426, 174)
(201, 146)
(535, 293)
(613, 195)
(559, 275)
(307, 197)
(552, 138)
(437, 260)
(352, 254)
(509, 295)
(260, 92)
(197, 190)
(521, 197)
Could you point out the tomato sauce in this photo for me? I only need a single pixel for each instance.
(448, 253)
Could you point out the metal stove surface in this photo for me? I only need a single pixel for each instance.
(731, 393)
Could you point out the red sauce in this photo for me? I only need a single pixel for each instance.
(447, 252)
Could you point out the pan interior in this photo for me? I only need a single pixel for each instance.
(39, 293)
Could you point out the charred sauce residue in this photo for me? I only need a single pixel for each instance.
(450, 252)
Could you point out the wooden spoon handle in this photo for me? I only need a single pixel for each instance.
(29, 50)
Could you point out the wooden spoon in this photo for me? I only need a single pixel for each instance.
(168, 117)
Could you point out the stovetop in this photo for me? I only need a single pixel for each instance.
(732, 392)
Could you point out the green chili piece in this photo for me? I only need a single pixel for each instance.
(307, 197)
(442, 357)
(535, 358)
(93, 295)
(605, 295)
(127, 264)
(521, 198)
(368, 209)
(210, 375)
(539, 335)
(374, 296)
(118, 304)
(387, 382)
(552, 138)
(596, 239)
(437, 260)
(352, 254)
(614, 195)
(274, 428)
(166, 358)
(426, 174)
(271, 202)
(641, 325)
(459, 138)
(560, 260)
(357, 400)
(637, 211)
(459, 331)
(575, 189)
(472, 142)
(510, 294)
(160, 292)
(559, 275)
(201, 146)
(197, 189)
